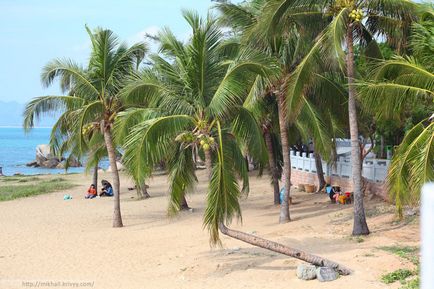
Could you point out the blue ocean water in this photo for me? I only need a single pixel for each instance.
(18, 148)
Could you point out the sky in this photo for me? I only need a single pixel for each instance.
(33, 32)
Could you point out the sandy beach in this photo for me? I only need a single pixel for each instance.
(65, 243)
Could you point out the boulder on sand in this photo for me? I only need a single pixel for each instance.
(306, 272)
(325, 274)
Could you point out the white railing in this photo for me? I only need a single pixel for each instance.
(373, 169)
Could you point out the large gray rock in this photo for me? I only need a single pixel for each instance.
(51, 163)
(43, 153)
(325, 274)
(44, 158)
(306, 272)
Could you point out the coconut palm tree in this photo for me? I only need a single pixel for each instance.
(93, 93)
(193, 85)
(286, 47)
(395, 84)
(200, 87)
(351, 22)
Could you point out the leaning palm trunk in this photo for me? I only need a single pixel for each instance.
(279, 248)
(360, 226)
(117, 218)
(273, 167)
(284, 207)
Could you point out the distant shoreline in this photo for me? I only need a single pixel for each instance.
(18, 126)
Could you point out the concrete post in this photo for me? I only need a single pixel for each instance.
(427, 217)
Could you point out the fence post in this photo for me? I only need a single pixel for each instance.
(427, 237)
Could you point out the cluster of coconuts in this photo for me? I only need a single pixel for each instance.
(206, 142)
(356, 15)
(188, 137)
(87, 129)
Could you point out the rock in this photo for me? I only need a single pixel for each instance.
(50, 163)
(411, 212)
(325, 274)
(44, 157)
(43, 153)
(32, 164)
(60, 166)
(306, 272)
(74, 163)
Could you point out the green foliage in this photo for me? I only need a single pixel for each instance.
(38, 186)
(409, 253)
(200, 83)
(223, 191)
(412, 284)
(23, 179)
(397, 275)
(93, 96)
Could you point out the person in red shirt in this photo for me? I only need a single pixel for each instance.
(91, 192)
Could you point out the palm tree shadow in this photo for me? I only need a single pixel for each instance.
(247, 258)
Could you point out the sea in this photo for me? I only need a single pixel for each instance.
(18, 148)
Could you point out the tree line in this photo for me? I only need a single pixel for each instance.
(252, 80)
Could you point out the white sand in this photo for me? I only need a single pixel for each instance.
(47, 239)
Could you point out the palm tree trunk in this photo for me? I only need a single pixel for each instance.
(142, 191)
(95, 177)
(208, 163)
(284, 207)
(285, 250)
(117, 218)
(273, 167)
(184, 204)
(319, 171)
(360, 227)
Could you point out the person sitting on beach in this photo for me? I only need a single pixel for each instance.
(107, 189)
(91, 192)
(331, 193)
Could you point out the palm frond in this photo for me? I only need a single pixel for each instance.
(412, 166)
(39, 106)
(182, 177)
(150, 142)
(223, 192)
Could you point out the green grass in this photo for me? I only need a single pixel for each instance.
(412, 284)
(397, 275)
(403, 275)
(406, 252)
(36, 187)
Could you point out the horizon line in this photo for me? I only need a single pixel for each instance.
(18, 126)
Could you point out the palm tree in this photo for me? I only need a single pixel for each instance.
(351, 22)
(93, 94)
(200, 95)
(191, 86)
(265, 111)
(286, 47)
(394, 85)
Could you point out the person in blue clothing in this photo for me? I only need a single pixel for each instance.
(107, 189)
(330, 192)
